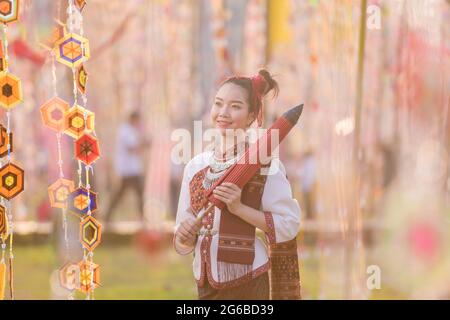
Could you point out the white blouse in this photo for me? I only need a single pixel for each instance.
(281, 211)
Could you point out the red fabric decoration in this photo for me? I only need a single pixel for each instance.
(22, 50)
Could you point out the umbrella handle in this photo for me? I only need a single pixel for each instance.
(202, 214)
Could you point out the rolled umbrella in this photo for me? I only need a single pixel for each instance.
(251, 161)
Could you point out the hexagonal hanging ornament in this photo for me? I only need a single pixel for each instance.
(75, 124)
(69, 275)
(89, 276)
(5, 138)
(87, 149)
(59, 191)
(9, 11)
(3, 224)
(80, 4)
(81, 77)
(10, 90)
(78, 202)
(72, 50)
(11, 180)
(52, 113)
(90, 233)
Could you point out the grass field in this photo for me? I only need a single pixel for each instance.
(129, 273)
(126, 273)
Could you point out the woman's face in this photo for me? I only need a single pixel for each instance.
(231, 109)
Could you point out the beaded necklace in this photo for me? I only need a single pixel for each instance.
(217, 167)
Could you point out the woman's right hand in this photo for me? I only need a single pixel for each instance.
(187, 231)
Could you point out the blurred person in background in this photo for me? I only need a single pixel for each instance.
(130, 147)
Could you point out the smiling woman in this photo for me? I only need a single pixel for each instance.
(230, 262)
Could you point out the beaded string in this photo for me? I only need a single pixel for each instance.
(71, 26)
(10, 215)
(87, 256)
(8, 203)
(60, 162)
(88, 185)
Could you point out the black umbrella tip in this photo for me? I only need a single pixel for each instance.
(294, 114)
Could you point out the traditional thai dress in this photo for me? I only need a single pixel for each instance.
(228, 255)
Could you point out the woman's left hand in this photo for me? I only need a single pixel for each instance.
(230, 194)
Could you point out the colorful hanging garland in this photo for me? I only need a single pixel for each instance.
(73, 50)
(70, 48)
(11, 175)
(53, 115)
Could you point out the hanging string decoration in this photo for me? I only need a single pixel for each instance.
(73, 51)
(69, 276)
(81, 201)
(11, 174)
(59, 191)
(87, 149)
(68, 47)
(89, 276)
(9, 11)
(11, 180)
(3, 237)
(82, 78)
(53, 115)
(5, 141)
(80, 4)
(10, 90)
(78, 120)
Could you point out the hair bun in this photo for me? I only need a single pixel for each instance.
(271, 84)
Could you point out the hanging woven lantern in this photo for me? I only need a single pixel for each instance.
(10, 90)
(11, 181)
(59, 191)
(5, 139)
(82, 77)
(69, 275)
(80, 4)
(9, 11)
(72, 50)
(3, 224)
(81, 200)
(89, 276)
(87, 149)
(52, 113)
(90, 233)
(75, 124)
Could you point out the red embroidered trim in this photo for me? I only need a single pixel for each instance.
(271, 235)
(197, 193)
(196, 197)
(206, 245)
(196, 190)
(201, 281)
